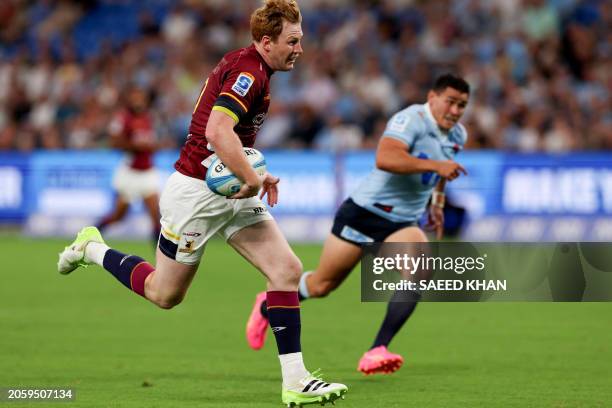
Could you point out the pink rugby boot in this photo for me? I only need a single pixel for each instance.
(257, 326)
(380, 360)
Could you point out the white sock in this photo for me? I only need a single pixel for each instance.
(292, 367)
(95, 251)
(303, 288)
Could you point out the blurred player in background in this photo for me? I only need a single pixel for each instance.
(132, 130)
(413, 162)
(230, 110)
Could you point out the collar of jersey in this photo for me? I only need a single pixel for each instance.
(269, 70)
(434, 125)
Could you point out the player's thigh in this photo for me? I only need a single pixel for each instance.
(265, 247)
(190, 215)
(407, 234)
(341, 250)
(412, 241)
(337, 260)
(168, 284)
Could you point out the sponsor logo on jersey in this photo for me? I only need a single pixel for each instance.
(258, 120)
(243, 83)
(191, 234)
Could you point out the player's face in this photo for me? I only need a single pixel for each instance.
(137, 100)
(447, 107)
(287, 48)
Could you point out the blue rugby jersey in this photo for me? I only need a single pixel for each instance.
(404, 197)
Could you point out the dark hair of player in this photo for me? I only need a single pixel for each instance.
(268, 19)
(451, 81)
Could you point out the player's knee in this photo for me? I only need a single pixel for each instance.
(168, 301)
(286, 274)
(322, 288)
(294, 270)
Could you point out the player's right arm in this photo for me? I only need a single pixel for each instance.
(393, 153)
(220, 134)
(393, 156)
(237, 95)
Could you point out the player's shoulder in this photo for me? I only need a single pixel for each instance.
(247, 60)
(417, 111)
(246, 70)
(409, 119)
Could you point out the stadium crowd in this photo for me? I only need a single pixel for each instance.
(540, 70)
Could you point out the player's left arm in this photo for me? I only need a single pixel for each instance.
(436, 209)
(438, 197)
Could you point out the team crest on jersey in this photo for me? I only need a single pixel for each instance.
(399, 123)
(188, 247)
(243, 83)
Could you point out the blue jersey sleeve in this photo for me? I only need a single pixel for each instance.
(404, 127)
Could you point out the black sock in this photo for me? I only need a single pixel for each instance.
(284, 315)
(399, 309)
(264, 305)
(130, 270)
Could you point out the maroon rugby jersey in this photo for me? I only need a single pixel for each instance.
(239, 86)
(136, 127)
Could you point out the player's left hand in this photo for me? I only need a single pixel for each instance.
(435, 220)
(270, 187)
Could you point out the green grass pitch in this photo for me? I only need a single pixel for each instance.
(88, 332)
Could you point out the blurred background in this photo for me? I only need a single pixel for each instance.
(540, 126)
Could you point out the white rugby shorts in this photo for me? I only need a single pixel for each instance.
(191, 214)
(133, 184)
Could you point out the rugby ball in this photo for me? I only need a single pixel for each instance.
(221, 180)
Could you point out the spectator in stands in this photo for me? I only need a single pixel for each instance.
(368, 58)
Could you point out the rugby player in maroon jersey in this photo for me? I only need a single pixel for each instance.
(136, 178)
(231, 108)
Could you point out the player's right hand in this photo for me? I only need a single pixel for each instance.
(249, 189)
(450, 170)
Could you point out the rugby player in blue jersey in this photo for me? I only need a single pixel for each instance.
(414, 159)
